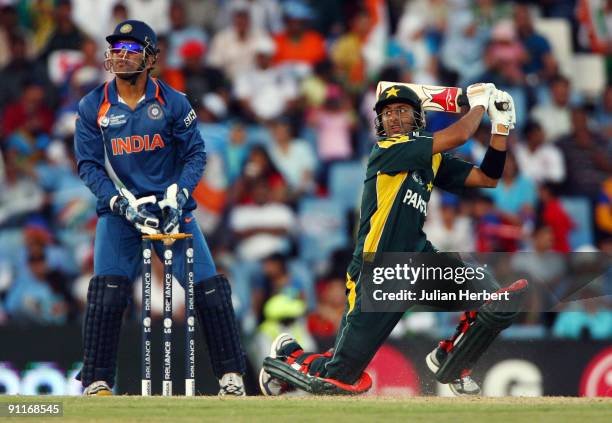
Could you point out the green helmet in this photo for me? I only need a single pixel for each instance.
(398, 94)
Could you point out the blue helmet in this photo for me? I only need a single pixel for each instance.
(137, 31)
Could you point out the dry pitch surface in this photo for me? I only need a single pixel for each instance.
(324, 409)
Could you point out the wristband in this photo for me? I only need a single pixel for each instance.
(493, 163)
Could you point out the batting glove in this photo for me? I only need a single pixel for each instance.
(126, 205)
(479, 94)
(502, 121)
(172, 208)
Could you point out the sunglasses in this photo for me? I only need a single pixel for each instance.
(127, 45)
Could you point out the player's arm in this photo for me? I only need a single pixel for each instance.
(492, 166)
(192, 161)
(190, 145)
(89, 151)
(461, 131)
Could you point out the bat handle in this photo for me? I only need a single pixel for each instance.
(502, 106)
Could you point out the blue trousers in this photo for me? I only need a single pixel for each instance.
(118, 249)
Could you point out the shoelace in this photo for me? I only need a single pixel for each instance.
(232, 389)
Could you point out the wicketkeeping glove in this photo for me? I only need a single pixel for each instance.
(172, 208)
(126, 205)
(479, 94)
(502, 121)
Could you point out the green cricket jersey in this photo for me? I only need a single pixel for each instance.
(400, 175)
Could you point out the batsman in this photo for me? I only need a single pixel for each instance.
(140, 153)
(405, 160)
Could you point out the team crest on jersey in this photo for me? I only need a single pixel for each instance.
(103, 121)
(417, 178)
(155, 112)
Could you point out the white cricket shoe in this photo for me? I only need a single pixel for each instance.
(464, 386)
(269, 385)
(231, 385)
(98, 388)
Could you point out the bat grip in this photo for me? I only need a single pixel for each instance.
(503, 106)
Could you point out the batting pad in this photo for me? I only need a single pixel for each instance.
(490, 320)
(107, 299)
(213, 298)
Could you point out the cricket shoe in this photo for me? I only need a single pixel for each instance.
(282, 346)
(231, 385)
(464, 385)
(98, 388)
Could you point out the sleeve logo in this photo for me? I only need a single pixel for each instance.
(190, 118)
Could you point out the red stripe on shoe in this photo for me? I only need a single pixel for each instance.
(363, 384)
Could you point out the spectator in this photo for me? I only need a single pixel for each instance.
(538, 160)
(36, 296)
(603, 113)
(85, 12)
(586, 156)
(199, 78)
(258, 167)
(66, 36)
(451, 231)
(515, 194)
(603, 210)
(333, 125)
(275, 279)
(554, 117)
(494, 231)
(20, 195)
(233, 49)
(553, 215)
(543, 267)
(236, 156)
(265, 15)
(325, 320)
(265, 91)
(466, 36)
(293, 157)
(507, 53)
(29, 113)
(17, 71)
(541, 64)
(298, 45)
(156, 13)
(263, 227)
(282, 314)
(9, 30)
(173, 76)
(347, 51)
(181, 34)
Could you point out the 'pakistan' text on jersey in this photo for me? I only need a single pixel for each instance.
(144, 150)
(400, 176)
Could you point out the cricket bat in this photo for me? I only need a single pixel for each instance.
(435, 98)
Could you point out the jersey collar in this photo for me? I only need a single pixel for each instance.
(152, 91)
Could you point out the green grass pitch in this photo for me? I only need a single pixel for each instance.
(324, 409)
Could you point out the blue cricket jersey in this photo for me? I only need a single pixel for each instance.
(144, 150)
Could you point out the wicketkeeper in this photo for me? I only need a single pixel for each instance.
(139, 151)
(405, 158)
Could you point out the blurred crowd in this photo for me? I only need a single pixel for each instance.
(284, 91)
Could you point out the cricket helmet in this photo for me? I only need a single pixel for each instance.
(398, 94)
